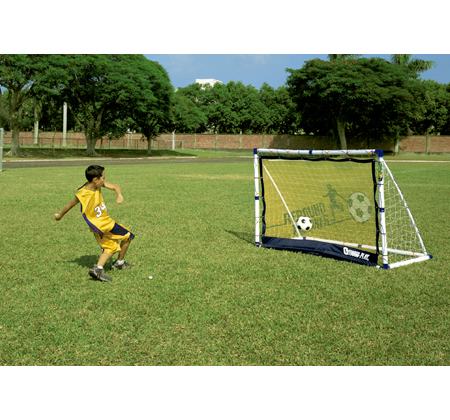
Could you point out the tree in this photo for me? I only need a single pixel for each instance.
(280, 116)
(229, 108)
(436, 118)
(186, 116)
(416, 64)
(354, 92)
(200, 97)
(217, 103)
(4, 122)
(246, 107)
(343, 57)
(149, 114)
(20, 75)
(27, 113)
(108, 92)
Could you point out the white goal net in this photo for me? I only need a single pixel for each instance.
(351, 199)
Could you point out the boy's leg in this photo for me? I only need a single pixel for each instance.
(109, 247)
(123, 234)
(123, 265)
(104, 258)
(99, 273)
(123, 249)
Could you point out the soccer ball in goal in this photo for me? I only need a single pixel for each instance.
(304, 223)
(348, 206)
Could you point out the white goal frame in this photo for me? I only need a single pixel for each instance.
(383, 170)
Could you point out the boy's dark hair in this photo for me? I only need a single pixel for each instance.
(94, 171)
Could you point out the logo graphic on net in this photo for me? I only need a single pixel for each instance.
(360, 207)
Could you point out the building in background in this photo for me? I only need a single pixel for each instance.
(211, 82)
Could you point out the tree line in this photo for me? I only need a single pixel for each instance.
(107, 95)
(369, 98)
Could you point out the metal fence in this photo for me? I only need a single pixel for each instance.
(53, 140)
(168, 144)
(76, 141)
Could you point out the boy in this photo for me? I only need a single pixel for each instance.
(106, 230)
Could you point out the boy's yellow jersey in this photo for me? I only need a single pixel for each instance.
(94, 210)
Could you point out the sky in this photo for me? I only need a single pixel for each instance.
(255, 69)
(236, 41)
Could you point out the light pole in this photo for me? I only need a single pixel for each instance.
(64, 124)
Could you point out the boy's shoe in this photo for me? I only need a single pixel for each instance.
(99, 274)
(117, 266)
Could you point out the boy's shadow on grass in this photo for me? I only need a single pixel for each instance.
(244, 236)
(86, 261)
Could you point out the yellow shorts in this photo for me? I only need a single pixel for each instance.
(109, 241)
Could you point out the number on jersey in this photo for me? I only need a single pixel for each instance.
(99, 209)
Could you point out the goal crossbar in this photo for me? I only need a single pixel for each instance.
(305, 152)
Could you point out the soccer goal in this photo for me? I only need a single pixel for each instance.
(339, 204)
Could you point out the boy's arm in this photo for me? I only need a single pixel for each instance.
(72, 203)
(115, 188)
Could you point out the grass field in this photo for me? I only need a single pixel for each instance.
(33, 153)
(215, 298)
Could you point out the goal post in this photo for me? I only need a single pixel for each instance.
(357, 209)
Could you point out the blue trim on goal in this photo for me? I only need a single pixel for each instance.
(379, 152)
(323, 249)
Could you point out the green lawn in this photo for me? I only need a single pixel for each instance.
(47, 152)
(215, 298)
(34, 153)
